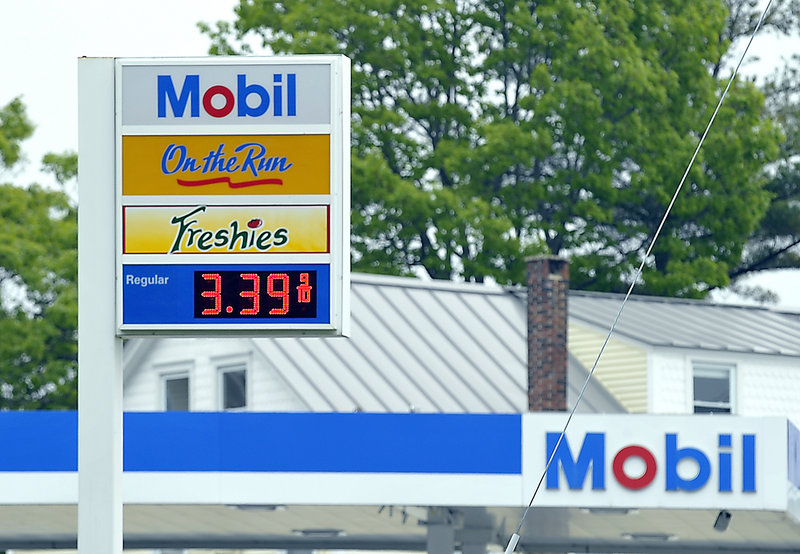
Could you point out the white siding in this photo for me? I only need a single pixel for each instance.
(141, 392)
(202, 359)
(763, 385)
(670, 382)
(769, 386)
(270, 393)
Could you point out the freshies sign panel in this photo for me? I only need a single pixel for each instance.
(233, 195)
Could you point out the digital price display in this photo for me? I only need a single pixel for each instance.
(255, 294)
(226, 296)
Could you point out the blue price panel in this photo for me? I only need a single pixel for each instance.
(226, 294)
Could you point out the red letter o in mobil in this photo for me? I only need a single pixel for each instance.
(225, 93)
(619, 467)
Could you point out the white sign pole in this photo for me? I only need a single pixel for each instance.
(99, 349)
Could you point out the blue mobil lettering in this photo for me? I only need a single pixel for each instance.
(250, 99)
(592, 455)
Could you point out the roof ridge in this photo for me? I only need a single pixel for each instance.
(493, 288)
(679, 300)
(419, 283)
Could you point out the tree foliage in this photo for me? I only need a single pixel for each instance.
(743, 15)
(38, 281)
(14, 128)
(486, 131)
(775, 244)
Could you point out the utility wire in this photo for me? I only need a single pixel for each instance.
(512, 543)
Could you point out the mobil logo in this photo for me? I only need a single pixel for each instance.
(245, 97)
(677, 466)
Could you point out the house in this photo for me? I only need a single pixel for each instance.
(676, 356)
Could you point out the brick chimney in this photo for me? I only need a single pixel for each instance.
(548, 283)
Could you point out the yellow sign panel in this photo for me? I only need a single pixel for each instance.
(225, 229)
(230, 164)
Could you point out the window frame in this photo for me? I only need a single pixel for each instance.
(173, 376)
(714, 370)
(222, 370)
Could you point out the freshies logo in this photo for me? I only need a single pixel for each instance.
(593, 453)
(234, 238)
(249, 99)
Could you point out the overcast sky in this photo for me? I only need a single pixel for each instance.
(41, 40)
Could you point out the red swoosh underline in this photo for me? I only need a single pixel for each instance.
(230, 183)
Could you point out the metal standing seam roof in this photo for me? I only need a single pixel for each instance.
(682, 323)
(425, 346)
(415, 345)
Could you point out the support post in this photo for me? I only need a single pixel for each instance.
(99, 349)
(441, 532)
(477, 530)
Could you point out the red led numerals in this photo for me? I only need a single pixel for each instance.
(304, 289)
(282, 292)
(216, 294)
(254, 294)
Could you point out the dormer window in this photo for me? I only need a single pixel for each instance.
(713, 388)
(233, 381)
(176, 392)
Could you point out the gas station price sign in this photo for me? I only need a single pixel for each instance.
(238, 295)
(233, 195)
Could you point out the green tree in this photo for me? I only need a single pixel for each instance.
(38, 281)
(775, 243)
(14, 128)
(618, 93)
(783, 18)
(485, 131)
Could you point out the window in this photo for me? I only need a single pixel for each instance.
(712, 388)
(234, 388)
(176, 393)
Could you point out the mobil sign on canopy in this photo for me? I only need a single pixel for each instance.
(233, 195)
(647, 461)
(254, 94)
